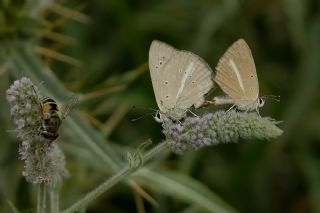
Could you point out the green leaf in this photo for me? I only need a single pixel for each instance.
(12, 207)
(180, 186)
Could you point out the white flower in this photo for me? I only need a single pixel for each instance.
(44, 161)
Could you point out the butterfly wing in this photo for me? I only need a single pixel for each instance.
(236, 73)
(159, 55)
(196, 80)
(185, 79)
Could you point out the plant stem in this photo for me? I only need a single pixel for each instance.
(121, 175)
(41, 205)
(54, 200)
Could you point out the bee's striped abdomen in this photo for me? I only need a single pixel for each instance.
(51, 118)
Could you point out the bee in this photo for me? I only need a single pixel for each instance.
(52, 116)
(51, 119)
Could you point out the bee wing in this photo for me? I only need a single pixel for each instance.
(69, 105)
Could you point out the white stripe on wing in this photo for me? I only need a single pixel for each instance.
(236, 71)
(187, 72)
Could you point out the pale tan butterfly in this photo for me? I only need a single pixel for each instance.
(180, 79)
(236, 75)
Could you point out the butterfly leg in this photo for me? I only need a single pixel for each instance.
(206, 104)
(193, 113)
(257, 110)
(178, 121)
(230, 108)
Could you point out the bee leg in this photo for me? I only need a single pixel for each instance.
(50, 136)
(39, 102)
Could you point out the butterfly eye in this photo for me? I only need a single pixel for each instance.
(158, 115)
(261, 102)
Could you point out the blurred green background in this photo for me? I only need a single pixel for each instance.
(102, 53)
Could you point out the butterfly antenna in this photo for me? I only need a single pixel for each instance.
(272, 97)
(153, 110)
(145, 115)
(144, 108)
(11, 130)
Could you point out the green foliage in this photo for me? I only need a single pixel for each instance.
(115, 87)
(18, 21)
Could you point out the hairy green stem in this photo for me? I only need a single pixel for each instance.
(54, 200)
(41, 205)
(116, 178)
